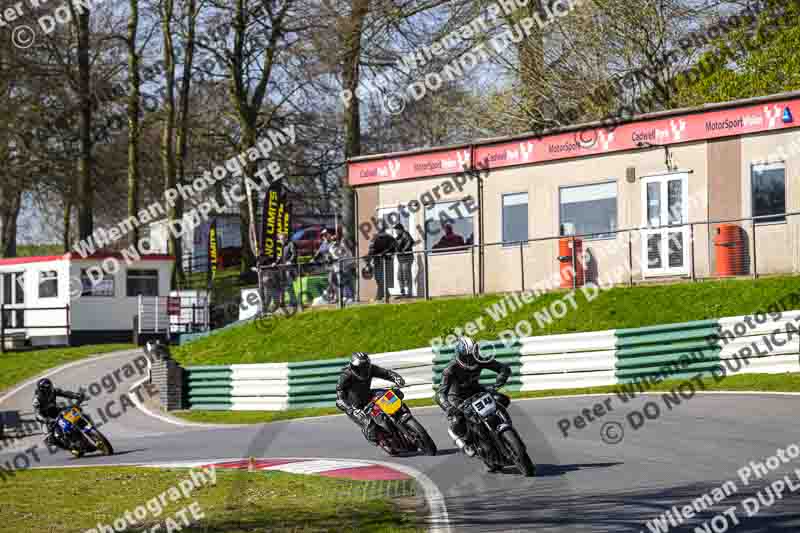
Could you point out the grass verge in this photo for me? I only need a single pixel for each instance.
(744, 382)
(65, 501)
(16, 367)
(324, 334)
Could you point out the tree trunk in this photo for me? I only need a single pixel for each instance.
(67, 222)
(183, 127)
(9, 213)
(85, 188)
(134, 97)
(352, 115)
(168, 131)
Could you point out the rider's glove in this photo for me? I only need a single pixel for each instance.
(399, 380)
(491, 389)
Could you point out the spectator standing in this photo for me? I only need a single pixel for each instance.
(343, 268)
(405, 258)
(381, 252)
(286, 269)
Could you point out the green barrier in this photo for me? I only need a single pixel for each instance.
(671, 351)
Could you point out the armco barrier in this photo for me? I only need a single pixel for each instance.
(774, 355)
(665, 350)
(568, 361)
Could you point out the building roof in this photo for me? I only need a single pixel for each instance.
(674, 126)
(71, 256)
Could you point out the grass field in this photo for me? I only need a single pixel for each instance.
(326, 334)
(744, 382)
(66, 501)
(16, 367)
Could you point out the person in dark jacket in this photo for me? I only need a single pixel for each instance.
(46, 409)
(460, 380)
(405, 258)
(288, 262)
(381, 252)
(353, 390)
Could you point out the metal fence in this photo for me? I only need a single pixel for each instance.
(16, 323)
(711, 249)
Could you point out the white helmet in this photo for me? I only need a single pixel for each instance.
(467, 353)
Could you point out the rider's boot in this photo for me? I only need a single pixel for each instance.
(462, 445)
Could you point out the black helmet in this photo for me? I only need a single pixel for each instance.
(44, 386)
(467, 352)
(360, 365)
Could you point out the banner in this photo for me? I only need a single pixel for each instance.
(213, 249)
(276, 219)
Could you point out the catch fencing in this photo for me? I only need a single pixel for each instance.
(552, 362)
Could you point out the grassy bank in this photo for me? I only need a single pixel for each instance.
(16, 367)
(392, 327)
(64, 501)
(743, 382)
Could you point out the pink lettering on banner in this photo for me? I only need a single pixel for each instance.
(672, 130)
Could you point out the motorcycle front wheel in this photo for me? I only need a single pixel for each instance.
(102, 443)
(423, 440)
(517, 453)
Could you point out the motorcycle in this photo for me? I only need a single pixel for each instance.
(78, 433)
(396, 428)
(493, 436)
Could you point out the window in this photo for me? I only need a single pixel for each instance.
(589, 209)
(515, 217)
(142, 282)
(48, 284)
(104, 287)
(769, 192)
(450, 226)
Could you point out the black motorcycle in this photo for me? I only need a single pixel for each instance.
(396, 428)
(494, 438)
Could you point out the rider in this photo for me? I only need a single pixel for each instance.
(353, 390)
(460, 380)
(46, 410)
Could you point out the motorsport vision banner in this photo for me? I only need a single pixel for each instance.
(276, 219)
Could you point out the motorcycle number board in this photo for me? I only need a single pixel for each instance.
(389, 403)
(484, 405)
(72, 416)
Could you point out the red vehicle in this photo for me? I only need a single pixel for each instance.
(308, 239)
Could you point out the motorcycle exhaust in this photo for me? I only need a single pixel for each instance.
(461, 444)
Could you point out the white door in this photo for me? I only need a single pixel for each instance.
(12, 294)
(393, 284)
(665, 247)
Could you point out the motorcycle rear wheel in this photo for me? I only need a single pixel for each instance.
(423, 440)
(518, 454)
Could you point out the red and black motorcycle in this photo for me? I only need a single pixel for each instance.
(396, 429)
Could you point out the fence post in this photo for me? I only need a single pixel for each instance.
(339, 284)
(630, 260)
(691, 251)
(521, 266)
(472, 262)
(2, 328)
(69, 326)
(156, 309)
(755, 262)
(574, 266)
(427, 277)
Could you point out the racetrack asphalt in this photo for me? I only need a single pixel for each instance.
(582, 485)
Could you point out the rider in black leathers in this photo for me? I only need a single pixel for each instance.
(46, 409)
(353, 391)
(460, 380)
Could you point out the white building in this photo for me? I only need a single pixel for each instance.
(52, 300)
